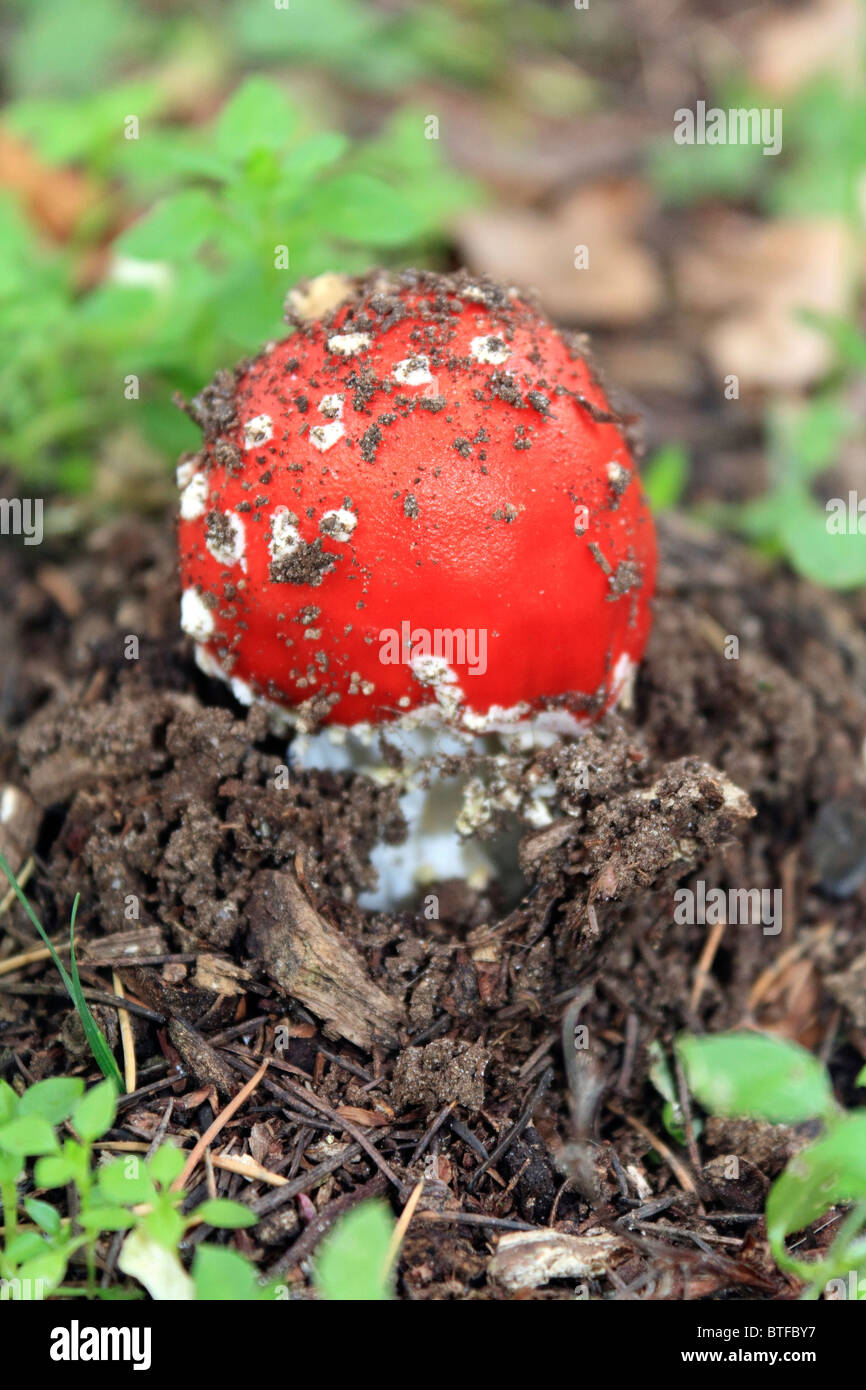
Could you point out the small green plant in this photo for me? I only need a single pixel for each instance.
(141, 1196)
(37, 1256)
(753, 1075)
(817, 173)
(803, 442)
(216, 223)
(352, 1265)
(125, 1194)
(96, 1038)
(665, 477)
(661, 1076)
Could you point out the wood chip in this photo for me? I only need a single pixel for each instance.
(529, 1259)
(312, 962)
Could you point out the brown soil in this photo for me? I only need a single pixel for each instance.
(405, 1048)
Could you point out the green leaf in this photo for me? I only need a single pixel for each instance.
(44, 1215)
(25, 1246)
(166, 1164)
(94, 1113)
(831, 1171)
(848, 341)
(53, 1098)
(176, 227)
(11, 1168)
(833, 560)
(351, 1264)
(48, 1269)
(665, 477)
(336, 32)
(222, 1275)
(58, 46)
(86, 131)
(360, 208)
(108, 1218)
(753, 1074)
(27, 1136)
(8, 1102)
(95, 1037)
(165, 1225)
(660, 1073)
(219, 1211)
(819, 430)
(126, 1180)
(56, 1171)
(257, 116)
(688, 173)
(311, 157)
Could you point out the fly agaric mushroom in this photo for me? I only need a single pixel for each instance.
(416, 517)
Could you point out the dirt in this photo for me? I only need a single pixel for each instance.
(139, 783)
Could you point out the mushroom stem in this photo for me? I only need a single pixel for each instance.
(443, 808)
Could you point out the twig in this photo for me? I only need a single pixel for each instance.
(686, 1108)
(309, 1098)
(305, 1182)
(29, 957)
(679, 1169)
(401, 1228)
(516, 1129)
(219, 1123)
(129, 1074)
(472, 1218)
(431, 1130)
(705, 964)
(94, 996)
(321, 1224)
(244, 1164)
(23, 878)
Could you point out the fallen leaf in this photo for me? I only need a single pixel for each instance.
(620, 283)
(357, 1116)
(55, 199)
(754, 280)
(786, 48)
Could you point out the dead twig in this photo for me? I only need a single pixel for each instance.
(516, 1129)
(219, 1123)
(402, 1226)
(705, 964)
(30, 957)
(126, 1037)
(677, 1167)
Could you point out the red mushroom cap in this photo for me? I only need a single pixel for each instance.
(422, 499)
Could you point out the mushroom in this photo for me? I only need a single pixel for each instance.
(415, 522)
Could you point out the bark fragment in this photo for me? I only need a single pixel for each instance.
(309, 959)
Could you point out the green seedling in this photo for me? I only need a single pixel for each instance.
(756, 1076)
(96, 1038)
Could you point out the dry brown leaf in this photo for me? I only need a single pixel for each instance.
(791, 1007)
(755, 279)
(357, 1116)
(789, 47)
(621, 283)
(55, 199)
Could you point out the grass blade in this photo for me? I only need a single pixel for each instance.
(95, 1037)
